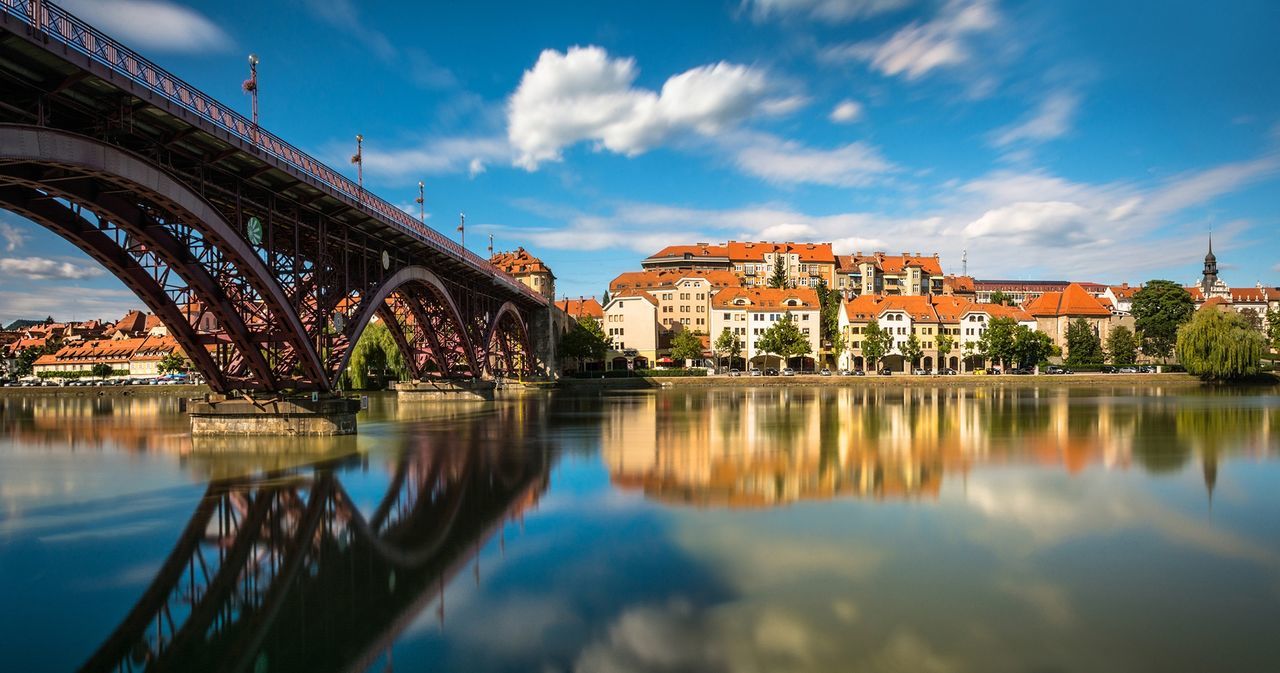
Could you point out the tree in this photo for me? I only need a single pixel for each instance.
(604, 301)
(1219, 346)
(999, 297)
(945, 343)
(1252, 317)
(838, 345)
(784, 338)
(729, 343)
(101, 370)
(174, 362)
(829, 312)
(912, 350)
(778, 278)
(1031, 347)
(1122, 346)
(375, 353)
(997, 341)
(876, 342)
(1273, 329)
(686, 345)
(585, 339)
(1159, 309)
(26, 361)
(1083, 345)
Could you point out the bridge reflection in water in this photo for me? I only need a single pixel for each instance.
(286, 571)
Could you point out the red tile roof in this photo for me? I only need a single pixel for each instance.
(1124, 292)
(582, 306)
(894, 264)
(755, 251)
(1072, 301)
(697, 250)
(518, 262)
(868, 306)
(758, 298)
(666, 278)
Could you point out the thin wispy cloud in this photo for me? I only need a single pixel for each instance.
(422, 69)
(772, 159)
(153, 24)
(1051, 119)
(39, 268)
(922, 47)
(12, 235)
(829, 11)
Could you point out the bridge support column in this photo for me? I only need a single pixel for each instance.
(290, 416)
(544, 331)
(444, 389)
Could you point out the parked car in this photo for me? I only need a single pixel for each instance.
(859, 372)
(846, 372)
(921, 371)
(1022, 371)
(948, 372)
(770, 371)
(824, 372)
(757, 372)
(1055, 369)
(788, 372)
(885, 371)
(1147, 369)
(734, 372)
(993, 371)
(1128, 370)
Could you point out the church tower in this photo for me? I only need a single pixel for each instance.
(1210, 285)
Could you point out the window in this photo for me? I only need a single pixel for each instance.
(702, 321)
(805, 331)
(726, 316)
(804, 316)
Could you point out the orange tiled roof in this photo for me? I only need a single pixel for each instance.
(666, 278)
(949, 308)
(1196, 294)
(870, 306)
(960, 284)
(1219, 303)
(757, 298)
(1072, 301)
(755, 251)
(1124, 291)
(1248, 294)
(894, 264)
(518, 262)
(632, 292)
(697, 250)
(582, 306)
(132, 322)
(1002, 311)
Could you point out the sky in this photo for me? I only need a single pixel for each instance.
(1083, 140)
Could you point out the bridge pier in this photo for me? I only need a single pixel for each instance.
(546, 326)
(218, 415)
(444, 389)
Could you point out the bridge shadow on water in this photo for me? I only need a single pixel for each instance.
(284, 569)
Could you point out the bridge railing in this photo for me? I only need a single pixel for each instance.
(61, 25)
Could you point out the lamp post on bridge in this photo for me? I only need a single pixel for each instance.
(422, 203)
(462, 229)
(358, 160)
(250, 87)
(490, 246)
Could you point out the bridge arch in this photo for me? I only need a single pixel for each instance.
(418, 301)
(194, 270)
(507, 339)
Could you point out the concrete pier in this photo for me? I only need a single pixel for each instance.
(291, 416)
(445, 389)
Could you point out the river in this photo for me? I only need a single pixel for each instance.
(1133, 528)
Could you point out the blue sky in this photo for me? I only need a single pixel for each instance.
(1080, 140)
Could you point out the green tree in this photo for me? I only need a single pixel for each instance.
(729, 344)
(101, 370)
(912, 350)
(1273, 329)
(1159, 309)
(999, 297)
(604, 301)
(376, 353)
(997, 341)
(1122, 346)
(585, 339)
(839, 343)
(686, 345)
(1252, 318)
(1031, 347)
(876, 342)
(26, 361)
(784, 339)
(1083, 345)
(829, 311)
(946, 343)
(1219, 346)
(174, 362)
(778, 277)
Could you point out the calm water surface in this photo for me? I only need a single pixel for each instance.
(796, 529)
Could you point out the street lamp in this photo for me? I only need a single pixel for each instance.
(422, 203)
(462, 229)
(250, 87)
(358, 160)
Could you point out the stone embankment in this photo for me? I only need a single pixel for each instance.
(898, 380)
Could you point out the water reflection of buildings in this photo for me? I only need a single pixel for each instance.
(763, 447)
(134, 423)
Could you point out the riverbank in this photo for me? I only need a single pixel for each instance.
(184, 390)
(896, 381)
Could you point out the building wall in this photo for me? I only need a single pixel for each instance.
(632, 323)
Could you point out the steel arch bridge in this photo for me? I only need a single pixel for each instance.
(263, 263)
(285, 572)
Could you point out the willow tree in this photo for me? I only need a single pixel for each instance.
(376, 350)
(1219, 346)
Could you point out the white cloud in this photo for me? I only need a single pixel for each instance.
(846, 111)
(1047, 223)
(152, 24)
(832, 11)
(787, 162)
(435, 156)
(39, 268)
(63, 303)
(1051, 120)
(584, 95)
(919, 48)
(13, 236)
